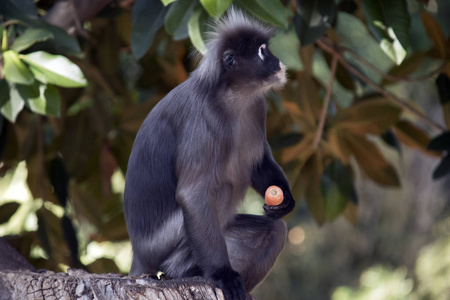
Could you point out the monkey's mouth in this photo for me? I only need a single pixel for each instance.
(281, 74)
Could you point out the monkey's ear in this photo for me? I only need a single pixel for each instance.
(228, 59)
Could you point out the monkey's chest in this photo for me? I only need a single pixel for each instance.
(247, 151)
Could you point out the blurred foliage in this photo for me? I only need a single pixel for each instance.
(379, 282)
(430, 281)
(71, 106)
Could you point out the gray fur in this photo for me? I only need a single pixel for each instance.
(193, 159)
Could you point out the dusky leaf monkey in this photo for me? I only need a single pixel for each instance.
(193, 159)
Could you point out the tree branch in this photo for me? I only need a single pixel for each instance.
(19, 280)
(385, 75)
(337, 50)
(326, 103)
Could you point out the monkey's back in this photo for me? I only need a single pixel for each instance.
(151, 179)
(151, 183)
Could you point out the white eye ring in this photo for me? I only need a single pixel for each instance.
(261, 51)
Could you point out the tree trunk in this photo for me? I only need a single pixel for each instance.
(20, 280)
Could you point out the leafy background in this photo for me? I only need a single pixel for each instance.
(361, 130)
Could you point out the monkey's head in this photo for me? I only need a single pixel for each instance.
(239, 56)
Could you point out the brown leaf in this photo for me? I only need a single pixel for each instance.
(371, 161)
(309, 95)
(310, 182)
(307, 57)
(108, 165)
(407, 67)
(373, 116)
(301, 151)
(413, 136)
(339, 145)
(435, 33)
(302, 101)
(446, 112)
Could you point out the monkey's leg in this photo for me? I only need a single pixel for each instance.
(254, 243)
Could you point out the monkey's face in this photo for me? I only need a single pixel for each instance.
(248, 64)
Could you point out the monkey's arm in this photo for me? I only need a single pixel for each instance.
(268, 173)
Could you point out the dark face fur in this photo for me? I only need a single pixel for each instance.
(246, 66)
(247, 61)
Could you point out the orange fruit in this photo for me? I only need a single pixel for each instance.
(274, 196)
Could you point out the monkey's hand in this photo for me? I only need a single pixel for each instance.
(282, 209)
(230, 282)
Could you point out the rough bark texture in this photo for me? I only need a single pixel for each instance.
(78, 284)
(20, 280)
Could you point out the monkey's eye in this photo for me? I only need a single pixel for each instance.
(262, 51)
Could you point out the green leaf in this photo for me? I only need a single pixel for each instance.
(40, 98)
(55, 69)
(177, 18)
(30, 37)
(167, 2)
(15, 70)
(285, 46)
(3, 38)
(313, 18)
(389, 21)
(268, 10)
(7, 210)
(62, 41)
(28, 7)
(337, 188)
(148, 18)
(216, 7)
(355, 35)
(196, 28)
(334, 201)
(13, 106)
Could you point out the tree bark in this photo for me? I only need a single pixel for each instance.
(20, 280)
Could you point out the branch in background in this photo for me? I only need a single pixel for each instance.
(387, 76)
(69, 15)
(326, 103)
(337, 51)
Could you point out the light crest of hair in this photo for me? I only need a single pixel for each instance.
(234, 21)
